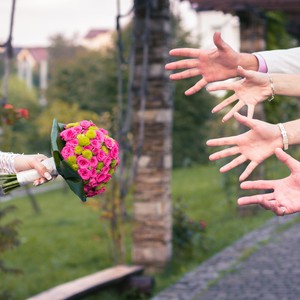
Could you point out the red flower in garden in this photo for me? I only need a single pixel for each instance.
(202, 224)
(9, 115)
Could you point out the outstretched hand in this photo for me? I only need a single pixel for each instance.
(213, 65)
(252, 89)
(255, 145)
(285, 197)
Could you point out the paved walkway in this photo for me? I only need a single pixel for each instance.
(263, 265)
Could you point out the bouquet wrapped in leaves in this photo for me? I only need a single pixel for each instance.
(82, 153)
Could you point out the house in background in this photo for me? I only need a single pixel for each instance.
(97, 39)
(32, 65)
(32, 62)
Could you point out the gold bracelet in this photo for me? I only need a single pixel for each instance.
(272, 87)
(284, 136)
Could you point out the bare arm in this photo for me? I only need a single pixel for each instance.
(286, 84)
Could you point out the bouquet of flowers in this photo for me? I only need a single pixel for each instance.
(82, 153)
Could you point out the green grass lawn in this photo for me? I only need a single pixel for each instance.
(67, 240)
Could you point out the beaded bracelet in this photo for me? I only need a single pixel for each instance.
(272, 87)
(284, 136)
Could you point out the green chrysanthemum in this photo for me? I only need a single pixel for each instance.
(91, 134)
(78, 150)
(100, 165)
(99, 187)
(83, 140)
(71, 159)
(104, 148)
(113, 163)
(87, 154)
(75, 167)
(72, 125)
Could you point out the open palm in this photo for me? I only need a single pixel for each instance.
(255, 145)
(251, 90)
(213, 65)
(284, 197)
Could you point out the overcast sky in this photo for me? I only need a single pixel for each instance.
(36, 20)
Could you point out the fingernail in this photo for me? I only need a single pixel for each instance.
(47, 176)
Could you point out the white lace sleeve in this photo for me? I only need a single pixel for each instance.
(7, 165)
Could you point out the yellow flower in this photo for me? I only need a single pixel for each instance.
(104, 149)
(113, 163)
(100, 165)
(87, 154)
(78, 150)
(75, 167)
(91, 134)
(83, 140)
(72, 125)
(99, 187)
(72, 159)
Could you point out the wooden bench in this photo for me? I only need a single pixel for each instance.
(88, 284)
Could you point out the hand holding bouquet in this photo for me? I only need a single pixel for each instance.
(83, 154)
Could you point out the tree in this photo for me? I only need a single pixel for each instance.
(191, 113)
(87, 78)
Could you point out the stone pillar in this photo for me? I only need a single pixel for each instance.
(152, 195)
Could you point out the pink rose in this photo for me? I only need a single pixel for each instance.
(101, 191)
(101, 177)
(72, 143)
(107, 178)
(93, 173)
(114, 152)
(94, 162)
(88, 147)
(95, 144)
(105, 169)
(83, 163)
(93, 182)
(109, 143)
(100, 136)
(86, 124)
(67, 151)
(103, 131)
(101, 155)
(84, 173)
(69, 134)
(107, 161)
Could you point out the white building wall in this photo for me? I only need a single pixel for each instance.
(211, 21)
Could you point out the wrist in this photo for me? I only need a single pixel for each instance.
(262, 65)
(271, 87)
(7, 162)
(284, 136)
(248, 61)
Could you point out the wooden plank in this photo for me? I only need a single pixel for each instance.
(89, 283)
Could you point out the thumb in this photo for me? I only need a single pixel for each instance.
(242, 72)
(288, 160)
(244, 120)
(219, 42)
